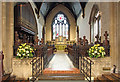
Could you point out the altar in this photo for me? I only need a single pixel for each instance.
(60, 46)
(60, 43)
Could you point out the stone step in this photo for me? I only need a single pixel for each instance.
(61, 77)
(101, 78)
(116, 75)
(110, 77)
(20, 81)
(71, 71)
(5, 77)
(12, 79)
(96, 80)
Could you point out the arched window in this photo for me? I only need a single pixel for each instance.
(95, 23)
(60, 26)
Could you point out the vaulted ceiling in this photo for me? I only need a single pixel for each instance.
(74, 7)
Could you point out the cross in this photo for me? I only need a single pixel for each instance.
(16, 35)
(80, 39)
(16, 38)
(106, 41)
(36, 40)
(106, 34)
(97, 38)
(84, 40)
(42, 40)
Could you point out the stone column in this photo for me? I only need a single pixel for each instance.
(0, 26)
(0, 39)
(115, 35)
(7, 34)
(118, 37)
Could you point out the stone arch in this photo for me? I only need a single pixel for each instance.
(92, 18)
(94, 10)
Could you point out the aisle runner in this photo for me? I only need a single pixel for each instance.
(61, 64)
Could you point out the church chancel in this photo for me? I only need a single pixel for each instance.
(60, 40)
(60, 30)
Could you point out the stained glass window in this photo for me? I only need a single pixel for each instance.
(60, 26)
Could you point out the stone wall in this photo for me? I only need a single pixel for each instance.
(100, 66)
(118, 36)
(21, 68)
(110, 22)
(115, 34)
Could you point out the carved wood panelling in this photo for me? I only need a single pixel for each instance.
(24, 16)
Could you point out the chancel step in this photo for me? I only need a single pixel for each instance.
(61, 77)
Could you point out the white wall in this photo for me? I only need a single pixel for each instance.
(83, 23)
(40, 21)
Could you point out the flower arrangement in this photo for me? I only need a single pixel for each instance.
(25, 51)
(96, 51)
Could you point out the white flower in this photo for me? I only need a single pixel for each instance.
(98, 53)
(27, 51)
(23, 54)
(19, 54)
(95, 52)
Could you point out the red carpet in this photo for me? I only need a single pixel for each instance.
(72, 71)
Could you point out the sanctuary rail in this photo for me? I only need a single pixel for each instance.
(86, 64)
(43, 55)
(37, 63)
(78, 56)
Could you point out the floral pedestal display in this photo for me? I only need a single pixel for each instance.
(22, 68)
(97, 55)
(25, 51)
(99, 65)
(96, 51)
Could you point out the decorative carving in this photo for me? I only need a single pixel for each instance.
(42, 41)
(17, 41)
(85, 41)
(25, 38)
(97, 38)
(25, 20)
(80, 41)
(106, 42)
(36, 40)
